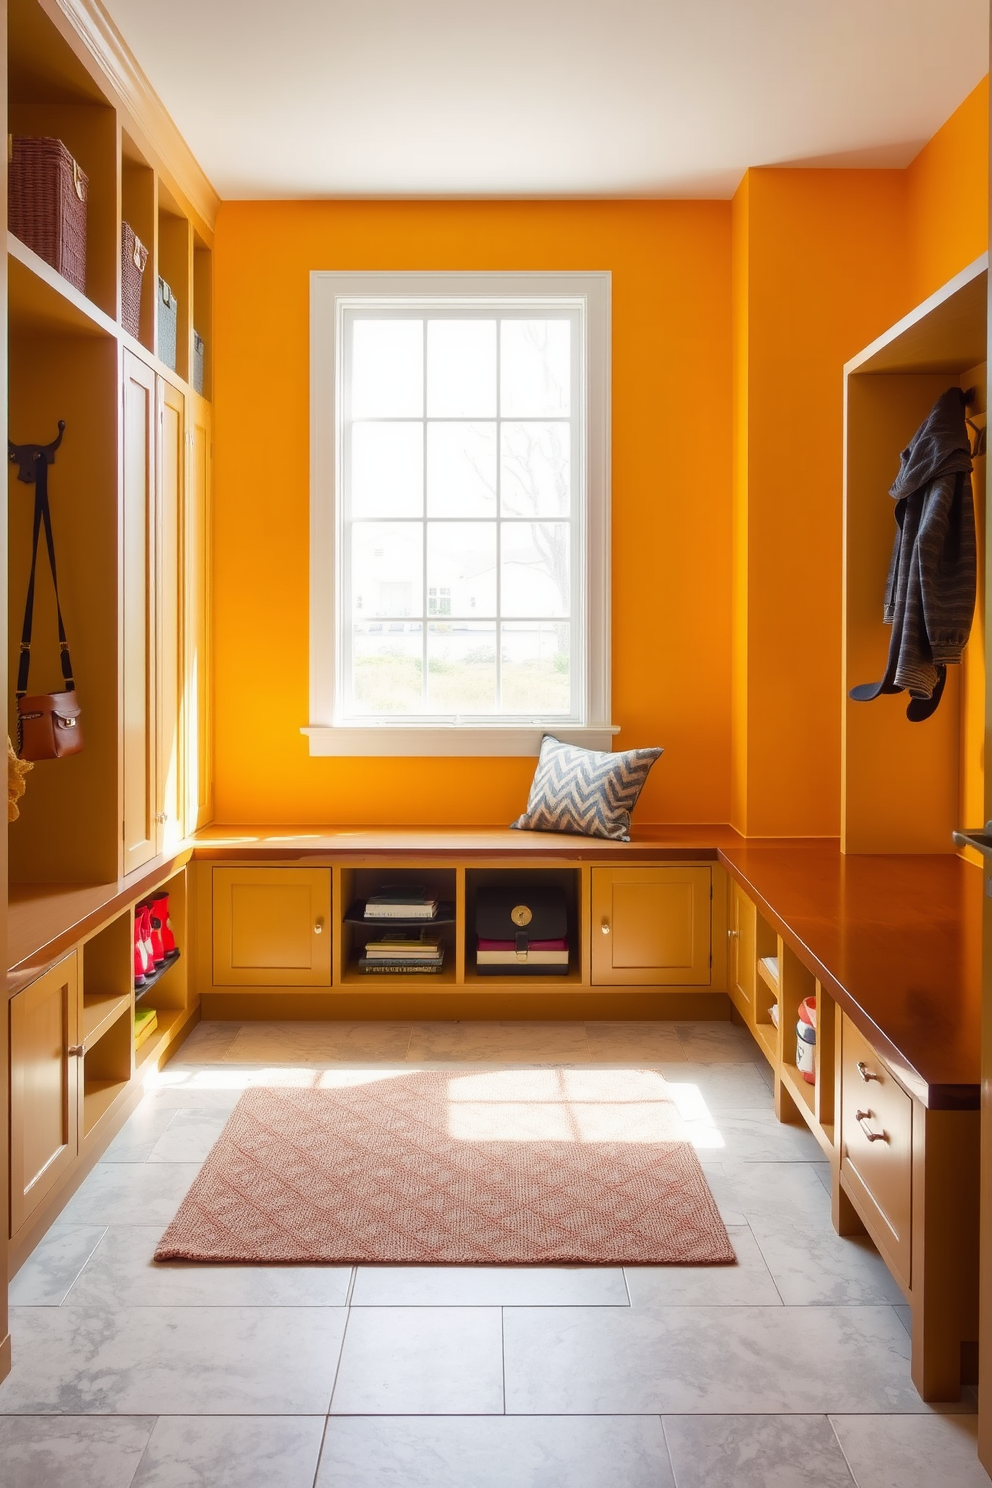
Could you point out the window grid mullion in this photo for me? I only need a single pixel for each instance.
(425, 521)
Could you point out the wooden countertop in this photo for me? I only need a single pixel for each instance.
(44, 921)
(897, 940)
(219, 842)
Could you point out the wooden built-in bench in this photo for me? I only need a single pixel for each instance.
(681, 922)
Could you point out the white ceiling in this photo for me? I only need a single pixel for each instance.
(675, 98)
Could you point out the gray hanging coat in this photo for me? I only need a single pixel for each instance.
(930, 593)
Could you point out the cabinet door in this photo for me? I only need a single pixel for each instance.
(44, 1087)
(198, 721)
(651, 926)
(169, 505)
(138, 629)
(272, 927)
(876, 1147)
(741, 961)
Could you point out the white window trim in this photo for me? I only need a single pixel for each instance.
(329, 294)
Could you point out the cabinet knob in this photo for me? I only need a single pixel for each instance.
(865, 1073)
(733, 934)
(162, 816)
(605, 927)
(318, 927)
(76, 1049)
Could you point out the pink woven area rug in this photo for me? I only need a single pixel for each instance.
(453, 1167)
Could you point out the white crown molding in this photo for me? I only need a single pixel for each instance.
(115, 59)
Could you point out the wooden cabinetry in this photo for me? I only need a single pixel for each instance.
(890, 388)
(652, 926)
(876, 1147)
(129, 490)
(170, 513)
(256, 919)
(138, 614)
(741, 959)
(45, 1060)
(271, 927)
(74, 1070)
(909, 1176)
(903, 1148)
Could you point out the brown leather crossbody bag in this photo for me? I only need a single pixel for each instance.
(47, 723)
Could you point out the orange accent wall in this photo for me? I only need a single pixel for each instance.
(817, 277)
(731, 326)
(671, 496)
(947, 197)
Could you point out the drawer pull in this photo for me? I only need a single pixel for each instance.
(862, 1118)
(865, 1073)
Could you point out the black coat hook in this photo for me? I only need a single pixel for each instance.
(29, 456)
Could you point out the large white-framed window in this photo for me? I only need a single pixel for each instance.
(459, 538)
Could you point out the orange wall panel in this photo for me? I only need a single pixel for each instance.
(947, 197)
(823, 279)
(671, 495)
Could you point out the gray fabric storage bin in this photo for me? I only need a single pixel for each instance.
(168, 325)
(197, 362)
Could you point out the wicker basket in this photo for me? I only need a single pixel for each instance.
(134, 257)
(198, 350)
(47, 204)
(168, 325)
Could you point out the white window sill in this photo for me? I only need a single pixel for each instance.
(432, 739)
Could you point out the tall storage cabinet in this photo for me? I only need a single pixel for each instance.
(170, 509)
(128, 490)
(137, 615)
(130, 506)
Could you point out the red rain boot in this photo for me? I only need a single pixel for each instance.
(160, 912)
(141, 963)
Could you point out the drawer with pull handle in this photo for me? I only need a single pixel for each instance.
(876, 1153)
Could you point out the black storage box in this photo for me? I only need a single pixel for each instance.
(515, 918)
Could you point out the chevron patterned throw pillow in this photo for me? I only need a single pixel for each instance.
(585, 790)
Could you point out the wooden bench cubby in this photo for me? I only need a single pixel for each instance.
(238, 979)
(901, 1134)
(75, 1074)
(797, 919)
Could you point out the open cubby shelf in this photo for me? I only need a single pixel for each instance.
(153, 978)
(100, 1011)
(356, 916)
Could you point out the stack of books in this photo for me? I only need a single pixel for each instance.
(404, 952)
(402, 902)
(550, 955)
(145, 1024)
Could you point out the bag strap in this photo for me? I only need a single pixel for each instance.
(34, 461)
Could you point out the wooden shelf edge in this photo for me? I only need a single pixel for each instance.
(99, 1097)
(68, 305)
(770, 973)
(803, 1098)
(171, 1022)
(104, 1010)
(767, 1040)
(44, 921)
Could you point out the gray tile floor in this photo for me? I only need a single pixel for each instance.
(790, 1369)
